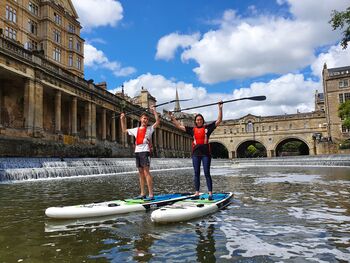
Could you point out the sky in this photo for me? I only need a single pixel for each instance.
(212, 50)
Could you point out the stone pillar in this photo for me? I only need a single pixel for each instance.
(58, 111)
(0, 106)
(113, 131)
(38, 109)
(160, 138)
(87, 115)
(104, 124)
(93, 123)
(29, 105)
(74, 115)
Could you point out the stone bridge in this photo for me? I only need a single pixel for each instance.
(273, 132)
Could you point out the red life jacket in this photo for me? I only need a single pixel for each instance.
(140, 137)
(200, 136)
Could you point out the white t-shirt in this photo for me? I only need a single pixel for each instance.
(144, 147)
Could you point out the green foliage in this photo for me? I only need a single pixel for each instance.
(344, 113)
(291, 146)
(344, 144)
(341, 20)
(251, 150)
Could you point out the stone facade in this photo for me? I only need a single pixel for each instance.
(47, 27)
(336, 83)
(47, 108)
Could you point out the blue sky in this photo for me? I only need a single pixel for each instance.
(213, 49)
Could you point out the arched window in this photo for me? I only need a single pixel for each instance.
(250, 127)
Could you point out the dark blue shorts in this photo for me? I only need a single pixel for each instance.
(142, 159)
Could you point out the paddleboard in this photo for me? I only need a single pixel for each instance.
(191, 208)
(113, 207)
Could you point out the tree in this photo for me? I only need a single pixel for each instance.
(342, 20)
(344, 113)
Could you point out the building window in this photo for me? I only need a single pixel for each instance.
(290, 126)
(250, 127)
(32, 27)
(263, 128)
(269, 128)
(344, 129)
(57, 54)
(276, 127)
(58, 18)
(344, 83)
(70, 43)
(71, 28)
(341, 98)
(31, 45)
(224, 131)
(70, 60)
(33, 8)
(57, 36)
(11, 33)
(11, 14)
(79, 63)
(78, 46)
(346, 96)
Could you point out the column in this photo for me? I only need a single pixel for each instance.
(93, 123)
(74, 115)
(113, 131)
(58, 111)
(29, 105)
(104, 124)
(38, 109)
(87, 116)
(0, 106)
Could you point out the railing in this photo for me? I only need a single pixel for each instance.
(14, 48)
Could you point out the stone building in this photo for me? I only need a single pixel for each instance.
(50, 28)
(336, 84)
(47, 108)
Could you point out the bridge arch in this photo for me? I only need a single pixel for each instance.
(219, 150)
(292, 146)
(250, 149)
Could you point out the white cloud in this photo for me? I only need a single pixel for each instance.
(96, 13)
(250, 47)
(168, 45)
(97, 59)
(334, 57)
(285, 95)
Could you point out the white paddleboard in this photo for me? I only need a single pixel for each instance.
(113, 207)
(189, 209)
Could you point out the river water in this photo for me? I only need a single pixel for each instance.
(278, 214)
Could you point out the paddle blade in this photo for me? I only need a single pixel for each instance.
(258, 98)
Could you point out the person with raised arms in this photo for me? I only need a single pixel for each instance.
(143, 139)
(200, 146)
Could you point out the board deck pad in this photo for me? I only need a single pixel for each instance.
(114, 207)
(191, 208)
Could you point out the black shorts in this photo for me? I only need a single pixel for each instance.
(143, 159)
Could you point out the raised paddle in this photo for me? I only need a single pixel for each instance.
(257, 98)
(158, 105)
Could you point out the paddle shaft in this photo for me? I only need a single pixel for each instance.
(258, 98)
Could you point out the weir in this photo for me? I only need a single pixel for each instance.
(16, 169)
(311, 160)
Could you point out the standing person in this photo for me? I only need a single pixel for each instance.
(143, 139)
(201, 147)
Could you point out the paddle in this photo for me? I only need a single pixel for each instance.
(257, 98)
(157, 105)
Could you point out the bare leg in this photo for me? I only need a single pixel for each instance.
(149, 181)
(142, 181)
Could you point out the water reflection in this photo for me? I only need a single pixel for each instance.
(206, 243)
